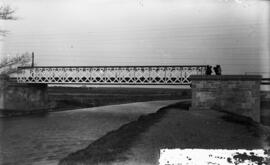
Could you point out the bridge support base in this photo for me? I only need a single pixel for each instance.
(22, 99)
(238, 94)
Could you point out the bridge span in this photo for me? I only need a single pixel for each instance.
(110, 75)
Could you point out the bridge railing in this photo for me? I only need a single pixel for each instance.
(111, 75)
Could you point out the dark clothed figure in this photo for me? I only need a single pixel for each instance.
(217, 70)
(208, 70)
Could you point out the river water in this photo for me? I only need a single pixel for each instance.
(47, 138)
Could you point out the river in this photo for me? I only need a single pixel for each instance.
(44, 139)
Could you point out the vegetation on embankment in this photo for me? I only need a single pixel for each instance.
(111, 146)
(65, 98)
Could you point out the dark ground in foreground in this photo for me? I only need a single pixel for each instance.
(113, 144)
(139, 142)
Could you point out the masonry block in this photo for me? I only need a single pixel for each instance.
(18, 99)
(239, 94)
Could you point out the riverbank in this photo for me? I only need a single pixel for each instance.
(139, 142)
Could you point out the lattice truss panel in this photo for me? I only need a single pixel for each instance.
(152, 75)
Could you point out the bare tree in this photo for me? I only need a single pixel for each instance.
(9, 65)
(6, 13)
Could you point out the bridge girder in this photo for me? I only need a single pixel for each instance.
(110, 75)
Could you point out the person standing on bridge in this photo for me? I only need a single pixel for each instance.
(208, 70)
(217, 70)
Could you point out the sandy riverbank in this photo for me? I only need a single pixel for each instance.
(139, 142)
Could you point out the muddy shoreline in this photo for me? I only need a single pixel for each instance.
(111, 146)
(114, 146)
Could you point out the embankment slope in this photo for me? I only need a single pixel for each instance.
(139, 142)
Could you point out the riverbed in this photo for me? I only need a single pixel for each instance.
(44, 139)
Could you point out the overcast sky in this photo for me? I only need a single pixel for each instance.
(233, 33)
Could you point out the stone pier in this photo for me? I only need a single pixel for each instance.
(21, 99)
(239, 94)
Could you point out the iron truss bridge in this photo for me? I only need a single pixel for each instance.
(110, 75)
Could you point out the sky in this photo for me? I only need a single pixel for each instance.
(232, 33)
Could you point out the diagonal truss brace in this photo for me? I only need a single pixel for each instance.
(111, 75)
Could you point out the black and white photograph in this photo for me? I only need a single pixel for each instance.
(134, 82)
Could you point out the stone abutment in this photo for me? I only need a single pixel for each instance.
(20, 99)
(238, 94)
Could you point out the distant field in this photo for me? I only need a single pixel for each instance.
(62, 98)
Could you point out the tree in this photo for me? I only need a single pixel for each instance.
(6, 13)
(9, 65)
